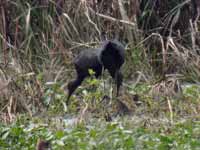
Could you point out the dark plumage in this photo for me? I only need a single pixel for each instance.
(110, 56)
(43, 145)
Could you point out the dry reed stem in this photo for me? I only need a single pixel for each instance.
(112, 19)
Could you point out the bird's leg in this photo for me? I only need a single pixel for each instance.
(118, 80)
(118, 77)
(72, 87)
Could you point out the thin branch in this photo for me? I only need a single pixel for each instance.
(112, 19)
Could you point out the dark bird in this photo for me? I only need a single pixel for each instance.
(110, 56)
(43, 145)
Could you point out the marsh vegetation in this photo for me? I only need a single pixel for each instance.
(158, 104)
